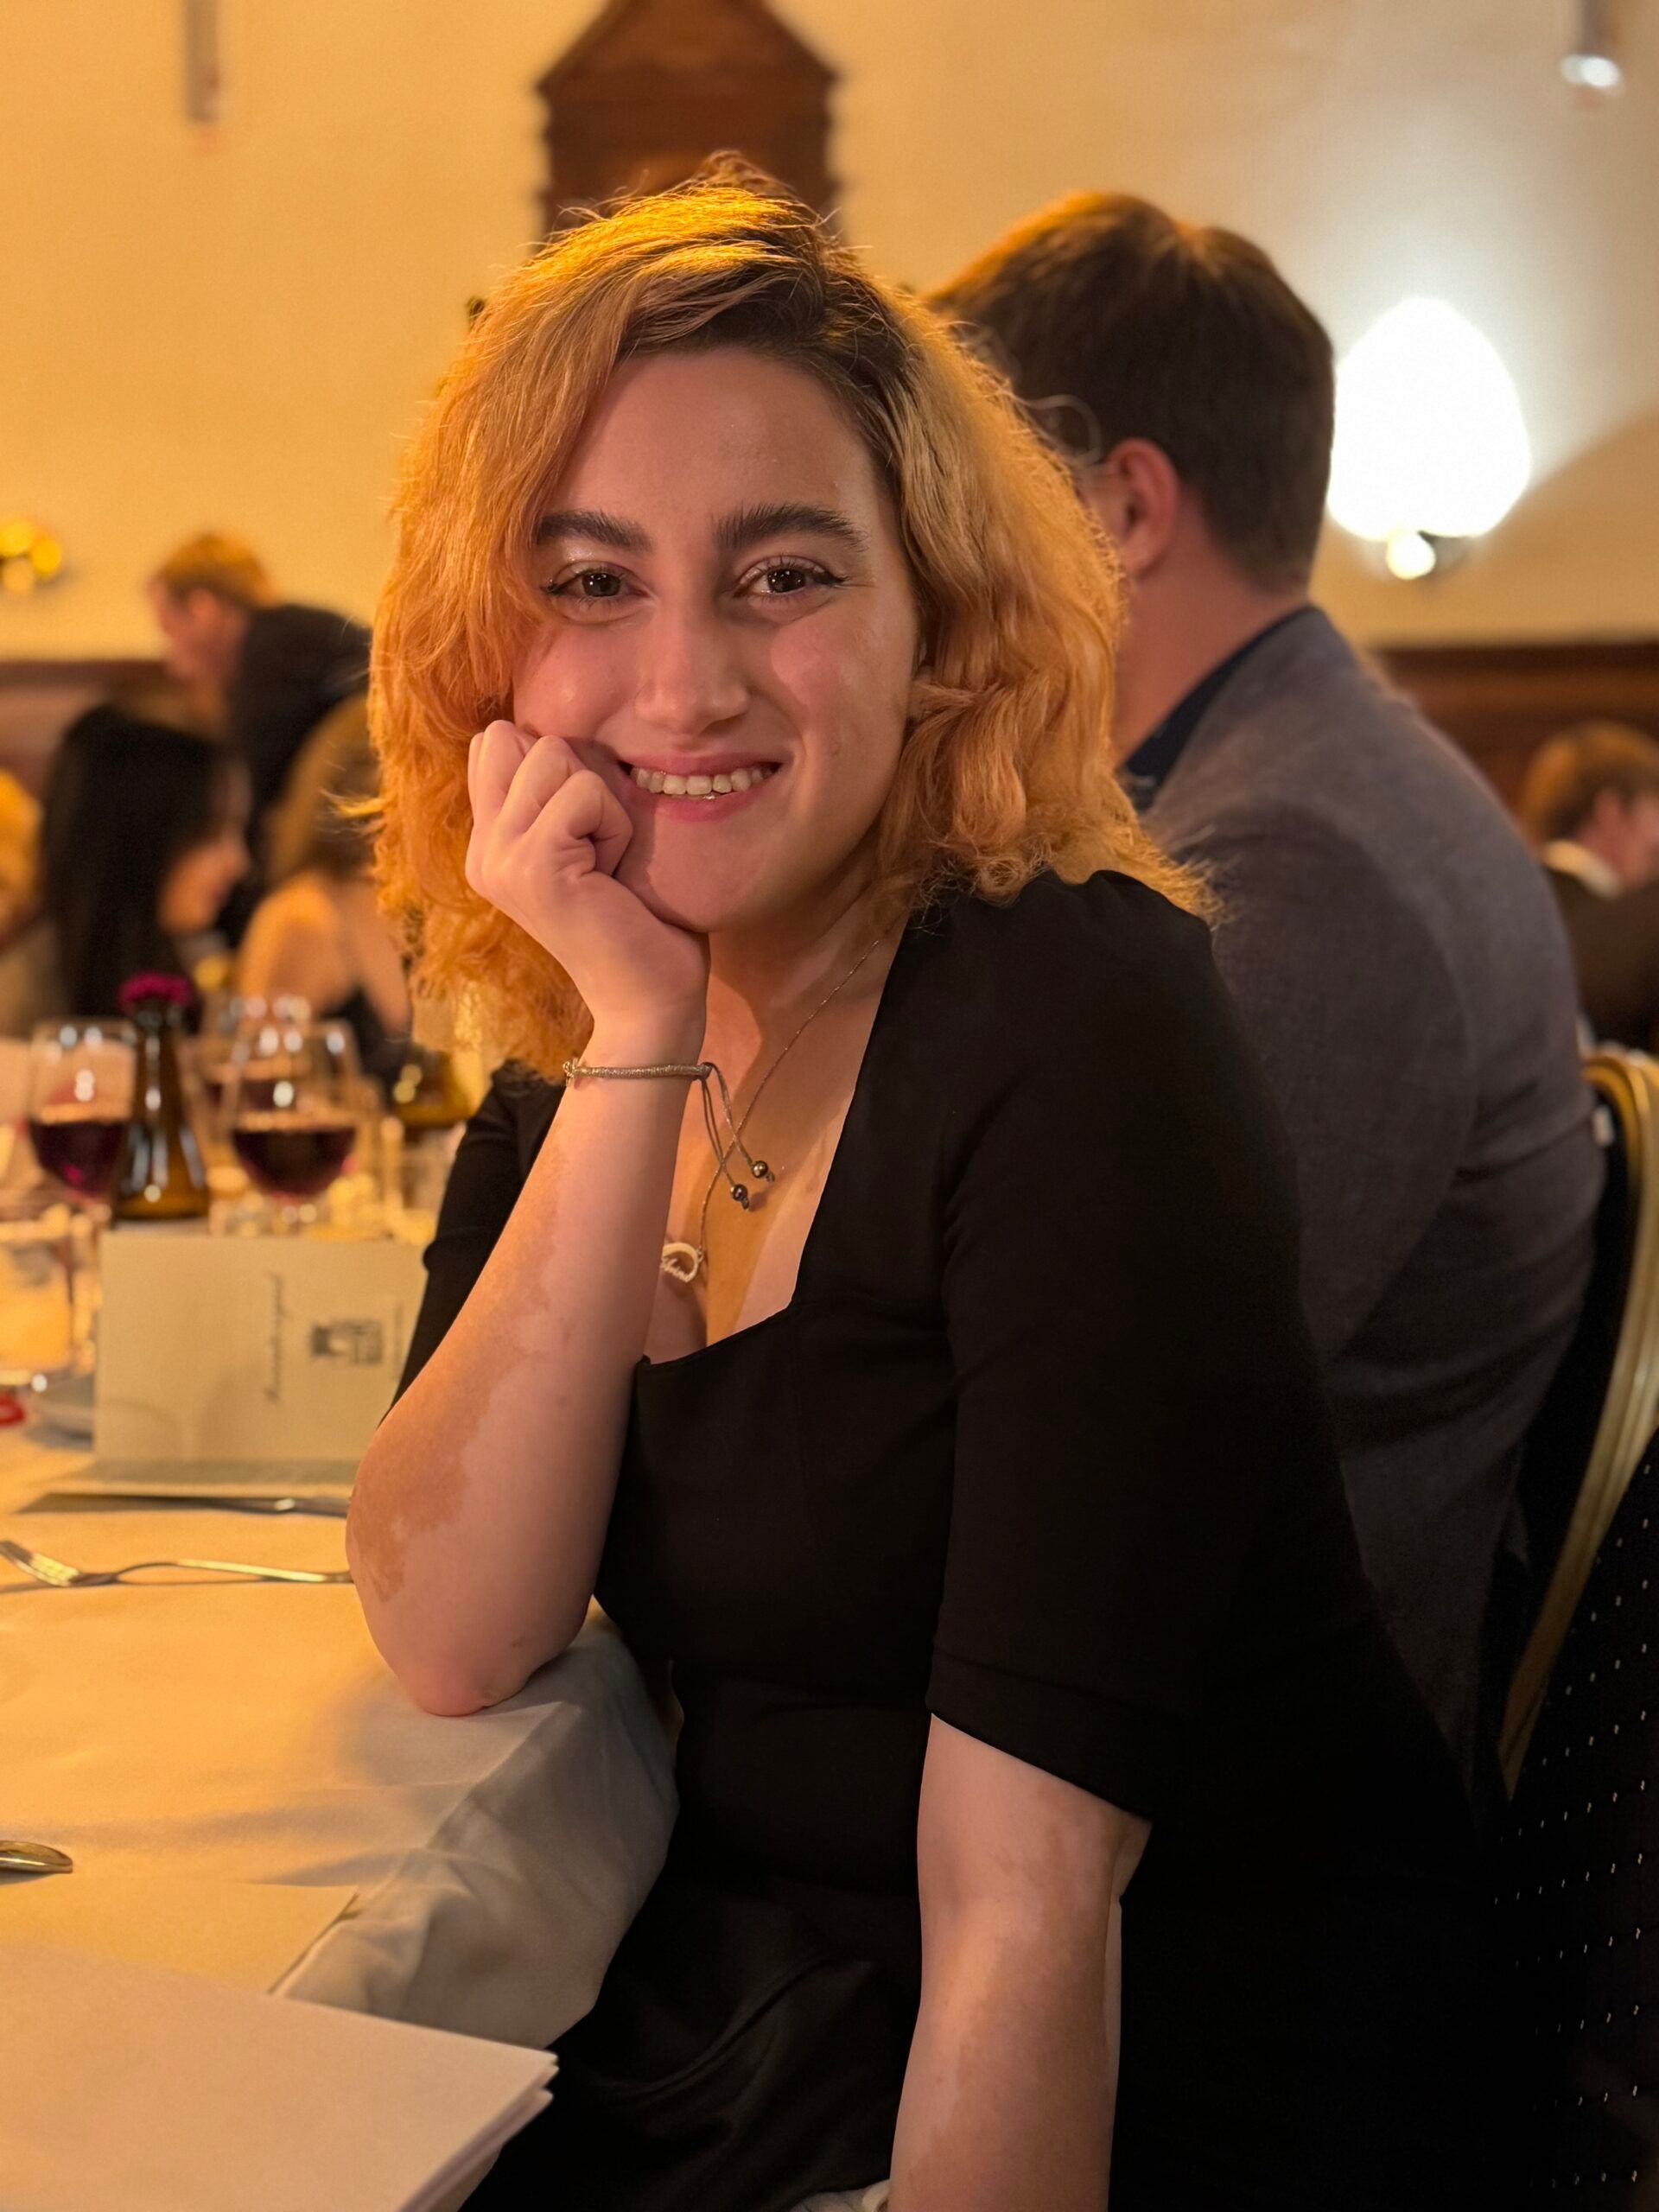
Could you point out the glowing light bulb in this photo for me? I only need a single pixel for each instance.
(1409, 555)
(1593, 73)
(1430, 439)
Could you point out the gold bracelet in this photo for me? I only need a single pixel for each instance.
(691, 1071)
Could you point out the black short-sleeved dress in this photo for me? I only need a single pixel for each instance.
(1036, 1446)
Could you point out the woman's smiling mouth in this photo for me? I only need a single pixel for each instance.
(702, 785)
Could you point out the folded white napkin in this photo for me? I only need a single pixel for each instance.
(162, 2092)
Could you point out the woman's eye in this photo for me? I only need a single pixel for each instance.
(587, 586)
(788, 579)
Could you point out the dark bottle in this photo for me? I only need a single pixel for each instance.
(161, 1177)
(428, 1092)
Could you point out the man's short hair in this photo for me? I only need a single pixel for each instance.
(1568, 773)
(1107, 313)
(223, 566)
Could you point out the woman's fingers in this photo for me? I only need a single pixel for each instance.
(585, 810)
(543, 773)
(538, 811)
(492, 760)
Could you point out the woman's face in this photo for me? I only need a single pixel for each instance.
(199, 882)
(731, 635)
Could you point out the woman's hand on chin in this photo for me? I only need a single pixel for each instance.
(548, 834)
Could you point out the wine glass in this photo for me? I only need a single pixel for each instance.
(291, 1100)
(225, 1020)
(81, 1075)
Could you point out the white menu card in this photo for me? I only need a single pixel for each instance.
(249, 1348)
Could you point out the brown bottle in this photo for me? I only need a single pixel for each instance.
(161, 1177)
(428, 1092)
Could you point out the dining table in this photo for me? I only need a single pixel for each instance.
(196, 1738)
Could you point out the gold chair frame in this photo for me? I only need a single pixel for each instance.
(1627, 1086)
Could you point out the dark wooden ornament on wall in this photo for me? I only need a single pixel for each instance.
(652, 87)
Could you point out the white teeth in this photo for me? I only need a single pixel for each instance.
(700, 786)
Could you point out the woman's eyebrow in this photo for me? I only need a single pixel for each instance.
(595, 524)
(749, 524)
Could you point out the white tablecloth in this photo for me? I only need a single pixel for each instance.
(249, 1731)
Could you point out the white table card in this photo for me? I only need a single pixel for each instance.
(256, 1348)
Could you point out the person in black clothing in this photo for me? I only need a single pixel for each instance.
(939, 1411)
(141, 837)
(275, 670)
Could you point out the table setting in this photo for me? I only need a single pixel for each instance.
(223, 1825)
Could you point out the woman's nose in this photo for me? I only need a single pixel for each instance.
(690, 678)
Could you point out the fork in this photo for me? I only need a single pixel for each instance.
(58, 1574)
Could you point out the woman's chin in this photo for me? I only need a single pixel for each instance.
(700, 903)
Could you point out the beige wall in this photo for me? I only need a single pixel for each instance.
(236, 325)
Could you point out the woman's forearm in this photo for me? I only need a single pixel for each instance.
(1013, 2075)
(480, 1505)
(1008, 2093)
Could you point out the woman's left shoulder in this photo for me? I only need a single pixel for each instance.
(1107, 936)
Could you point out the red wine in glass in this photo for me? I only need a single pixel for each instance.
(294, 1154)
(79, 1141)
(257, 1089)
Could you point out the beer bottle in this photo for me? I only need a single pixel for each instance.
(161, 1176)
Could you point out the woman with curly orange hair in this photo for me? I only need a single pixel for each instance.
(896, 1325)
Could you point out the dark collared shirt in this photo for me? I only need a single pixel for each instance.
(1150, 764)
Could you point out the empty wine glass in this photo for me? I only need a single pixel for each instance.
(80, 1083)
(291, 1102)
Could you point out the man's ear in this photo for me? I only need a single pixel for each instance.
(1135, 496)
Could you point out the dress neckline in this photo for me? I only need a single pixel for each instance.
(644, 1366)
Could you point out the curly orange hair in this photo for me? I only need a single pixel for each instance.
(1005, 769)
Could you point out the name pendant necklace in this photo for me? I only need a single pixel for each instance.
(685, 1262)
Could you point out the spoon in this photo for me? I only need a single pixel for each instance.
(33, 1858)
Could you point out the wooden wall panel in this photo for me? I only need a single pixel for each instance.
(1501, 702)
(40, 698)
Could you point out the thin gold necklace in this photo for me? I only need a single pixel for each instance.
(685, 1262)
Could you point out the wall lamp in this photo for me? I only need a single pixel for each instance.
(1431, 448)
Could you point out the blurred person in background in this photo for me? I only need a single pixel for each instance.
(142, 838)
(1590, 804)
(320, 936)
(20, 827)
(1385, 935)
(273, 670)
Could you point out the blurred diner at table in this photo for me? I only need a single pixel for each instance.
(970, 1472)
(318, 935)
(268, 671)
(143, 838)
(1589, 804)
(1393, 954)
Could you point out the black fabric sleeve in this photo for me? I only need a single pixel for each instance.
(1136, 1390)
(490, 1163)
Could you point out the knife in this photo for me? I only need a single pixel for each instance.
(333, 1508)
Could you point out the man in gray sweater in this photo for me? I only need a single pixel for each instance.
(1389, 942)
